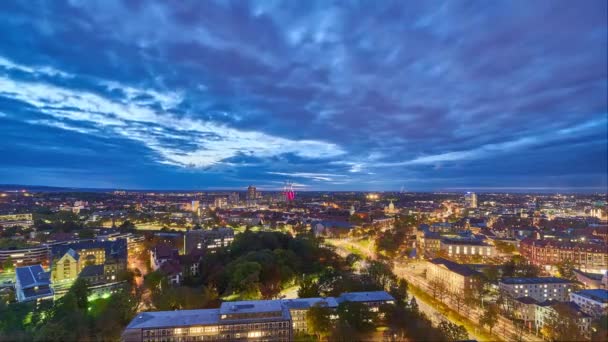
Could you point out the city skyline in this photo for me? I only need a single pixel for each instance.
(421, 96)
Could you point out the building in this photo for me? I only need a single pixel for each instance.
(470, 200)
(467, 247)
(524, 310)
(209, 240)
(162, 253)
(299, 306)
(590, 280)
(69, 260)
(233, 198)
(550, 310)
(457, 277)
(266, 320)
(220, 202)
(32, 284)
(256, 320)
(587, 257)
(541, 289)
(23, 220)
(26, 256)
(592, 302)
(252, 196)
(195, 206)
(373, 299)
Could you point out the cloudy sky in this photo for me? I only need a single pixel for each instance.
(382, 95)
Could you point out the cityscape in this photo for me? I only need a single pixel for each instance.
(304, 171)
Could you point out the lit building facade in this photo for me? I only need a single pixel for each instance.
(540, 289)
(209, 240)
(457, 277)
(587, 257)
(26, 256)
(470, 199)
(257, 320)
(592, 302)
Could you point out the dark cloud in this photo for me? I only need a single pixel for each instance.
(423, 94)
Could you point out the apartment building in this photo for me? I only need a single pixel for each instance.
(540, 289)
(457, 277)
(592, 302)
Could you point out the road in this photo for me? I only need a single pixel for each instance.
(412, 272)
(504, 329)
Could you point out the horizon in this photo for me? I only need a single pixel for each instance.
(498, 190)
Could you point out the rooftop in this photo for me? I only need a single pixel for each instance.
(371, 296)
(159, 319)
(305, 303)
(455, 267)
(31, 276)
(599, 295)
(250, 306)
(538, 280)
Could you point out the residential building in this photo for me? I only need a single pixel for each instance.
(587, 257)
(540, 289)
(32, 283)
(209, 240)
(592, 302)
(11, 220)
(549, 310)
(457, 277)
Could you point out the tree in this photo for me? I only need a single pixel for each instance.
(381, 274)
(308, 288)
(562, 324)
(80, 290)
(566, 269)
(453, 332)
(8, 265)
(438, 288)
(490, 316)
(599, 328)
(244, 280)
(399, 292)
(318, 321)
(356, 315)
(458, 299)
(414, 306)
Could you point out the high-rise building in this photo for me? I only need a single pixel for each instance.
(252, 195)
(195, 206)
(220, 202)
(233, 198)
(470, 199)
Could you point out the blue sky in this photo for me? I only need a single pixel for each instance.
(336, 95)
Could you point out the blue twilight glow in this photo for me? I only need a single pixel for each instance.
(423, 95)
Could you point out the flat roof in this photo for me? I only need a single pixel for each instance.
(305, 303)
(538, 280)
(159, 319)
(599, 295)
(369, 296)
(250, 306)
(30, 276)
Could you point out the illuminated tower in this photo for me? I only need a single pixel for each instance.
(288, 192)
(251, 195)
(470, 199)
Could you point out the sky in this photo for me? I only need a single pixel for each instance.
(329, 95)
